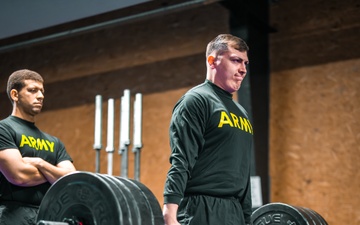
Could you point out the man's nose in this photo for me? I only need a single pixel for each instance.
(242, 68)
(40, 95)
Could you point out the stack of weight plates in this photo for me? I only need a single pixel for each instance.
(283, 214)
(100, 199)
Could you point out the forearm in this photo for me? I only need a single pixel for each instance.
(17, 171)
(27, 176)
(51, 172)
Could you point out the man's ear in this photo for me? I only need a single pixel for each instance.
(14, 94)
(211, 60)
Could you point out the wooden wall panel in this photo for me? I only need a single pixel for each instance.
(315, 106)
(315, 139)
(313, 32)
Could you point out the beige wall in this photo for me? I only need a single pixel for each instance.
(314, 139)
(315, 107)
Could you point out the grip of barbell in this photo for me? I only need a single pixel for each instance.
(44, 222)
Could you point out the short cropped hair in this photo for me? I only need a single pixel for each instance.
(222, 42)
(17, 78)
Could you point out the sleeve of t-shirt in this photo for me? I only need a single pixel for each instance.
(186, 138)
(6, 139)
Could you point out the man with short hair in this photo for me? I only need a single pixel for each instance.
(30, 160)
(211, 136)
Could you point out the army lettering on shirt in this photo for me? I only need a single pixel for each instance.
(38, 144)
(235, 121)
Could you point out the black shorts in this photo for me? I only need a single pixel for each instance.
(208, 210)
(14, 213)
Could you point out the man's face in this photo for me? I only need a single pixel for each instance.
(31, 97)
(231, 69)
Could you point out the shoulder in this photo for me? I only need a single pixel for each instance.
(13, 122)
(7, 123)
(201, 89)
(201, 92)
(195, 97)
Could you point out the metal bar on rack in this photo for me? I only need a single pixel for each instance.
(124, 132)
(137, 134)
(97, 131)
(110, 135)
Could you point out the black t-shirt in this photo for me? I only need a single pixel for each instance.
(24, 136)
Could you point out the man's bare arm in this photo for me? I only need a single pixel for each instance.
(17, 171)
(51, 172)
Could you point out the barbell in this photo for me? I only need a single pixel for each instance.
(99, 199)
(85, 198)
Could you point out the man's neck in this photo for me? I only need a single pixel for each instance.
(23, 116)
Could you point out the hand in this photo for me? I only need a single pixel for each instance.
(172, 222)
(169, 213)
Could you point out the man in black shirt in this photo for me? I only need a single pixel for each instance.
(211, 138)
(30, 160)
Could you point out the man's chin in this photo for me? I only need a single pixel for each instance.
(36, 111)
(237, 88)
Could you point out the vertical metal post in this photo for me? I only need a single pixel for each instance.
(137, 133)
(110, 135)
(124, 132)
(97, 131)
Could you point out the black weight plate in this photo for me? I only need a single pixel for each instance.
(310, 218)
(318, 216)
(127, 202)
(125, 208)
(83, 196)
(278, 214)
(141, 214)
(154, 205)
